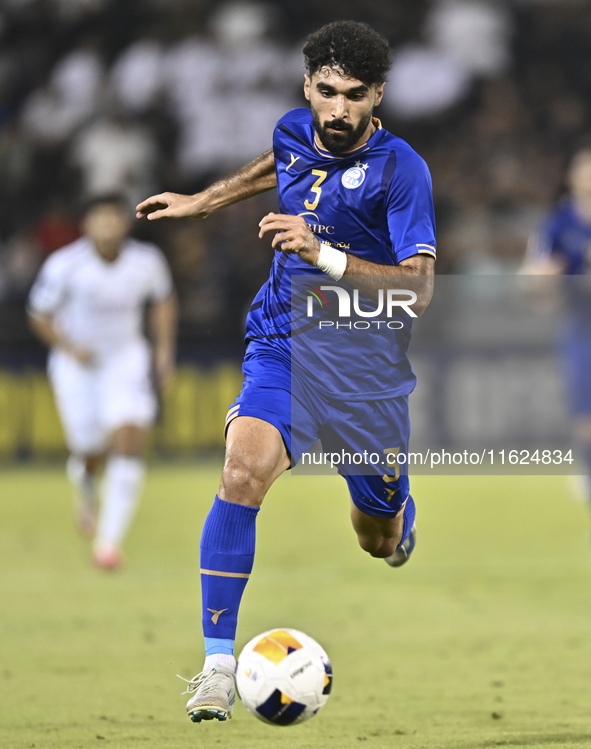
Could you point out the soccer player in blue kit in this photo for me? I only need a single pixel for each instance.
(563, 247)
(354, 200)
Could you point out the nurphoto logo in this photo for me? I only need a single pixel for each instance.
(344, 301)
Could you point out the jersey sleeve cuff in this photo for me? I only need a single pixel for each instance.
(416, 249)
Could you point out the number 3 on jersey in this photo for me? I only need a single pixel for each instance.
(316, 189)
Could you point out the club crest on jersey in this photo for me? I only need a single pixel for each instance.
(354, 176)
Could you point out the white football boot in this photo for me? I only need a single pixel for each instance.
(401, 555)
(107, 558)
(214, 696)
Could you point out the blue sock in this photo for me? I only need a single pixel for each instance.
(227, 555)
(408, 515)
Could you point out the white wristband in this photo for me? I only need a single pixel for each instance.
(331, 261)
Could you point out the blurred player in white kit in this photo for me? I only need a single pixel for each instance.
(88, 305)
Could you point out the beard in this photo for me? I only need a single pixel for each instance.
(345, 137)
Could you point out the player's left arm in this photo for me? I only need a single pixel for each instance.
(418, 272)
(294, 236)
(162, 321)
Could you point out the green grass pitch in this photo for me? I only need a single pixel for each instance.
(482, 640)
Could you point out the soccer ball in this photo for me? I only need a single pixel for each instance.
(283, 677)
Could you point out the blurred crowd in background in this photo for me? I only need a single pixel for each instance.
(141, 96)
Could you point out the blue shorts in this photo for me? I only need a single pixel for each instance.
(576, 352)
(371, 431)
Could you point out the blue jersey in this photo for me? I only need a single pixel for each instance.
(567, 237)
(375, 203)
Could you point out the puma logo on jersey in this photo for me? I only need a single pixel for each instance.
(293, 161)
(391, 493)
(216, 614)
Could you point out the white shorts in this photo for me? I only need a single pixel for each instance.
(95, 400)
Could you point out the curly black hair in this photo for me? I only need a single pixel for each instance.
(355, 48)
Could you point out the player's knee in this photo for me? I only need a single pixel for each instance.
(242, 484)
(129, 440)
(371, 544)
(378, 545)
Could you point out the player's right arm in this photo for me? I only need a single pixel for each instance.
(45, 299)
(253, 179)
(43, 327)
